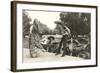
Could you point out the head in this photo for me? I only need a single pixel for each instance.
(35, 22)
(51, 38)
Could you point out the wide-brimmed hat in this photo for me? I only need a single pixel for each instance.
(84, 41)
(51, 37)
(59, 22)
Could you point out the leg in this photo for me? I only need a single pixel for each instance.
(66, 51)
(59, 48)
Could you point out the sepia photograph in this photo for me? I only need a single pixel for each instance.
(56, 36)
(47, 36)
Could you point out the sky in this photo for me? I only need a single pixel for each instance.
(45, 17)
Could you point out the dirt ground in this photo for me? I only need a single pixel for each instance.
(46, 57)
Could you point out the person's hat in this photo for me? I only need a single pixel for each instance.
(51, 37)
(84, 41)
(59, 22)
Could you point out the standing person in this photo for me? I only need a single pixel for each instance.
(64, 42)
(34, 40)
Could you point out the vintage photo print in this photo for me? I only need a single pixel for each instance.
(51, 36)
(56, 36)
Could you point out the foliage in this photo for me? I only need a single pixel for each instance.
(43, 29)
(26, 23)
(78, 23)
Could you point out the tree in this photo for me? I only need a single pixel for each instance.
(87, 21)
(43, 29)
(78, 23)
(26, 23)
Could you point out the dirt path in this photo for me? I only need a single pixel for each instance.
(47, 57)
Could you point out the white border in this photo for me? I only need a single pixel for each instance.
(21, 65)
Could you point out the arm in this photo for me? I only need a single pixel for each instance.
(31, 29)
(67, 29)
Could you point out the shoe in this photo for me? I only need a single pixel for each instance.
(62, 55)
(57, 53)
